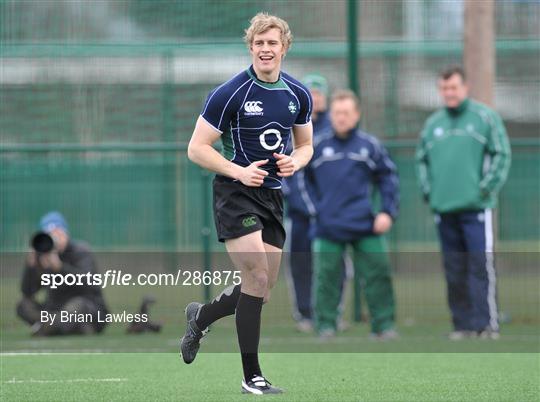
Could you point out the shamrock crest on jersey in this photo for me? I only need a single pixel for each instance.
(292, 107)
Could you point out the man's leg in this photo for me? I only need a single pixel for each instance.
(328, 263)
(478, 234)
(29, 310)
(358, 287)
(371, 262)
(76, 305)
(79, 305)
(253, 266)
(301, 265)
(455, 267)
(200, 316)
(273, 256)
(221, 306)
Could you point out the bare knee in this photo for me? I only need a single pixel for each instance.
(255, 282)
(260, 278)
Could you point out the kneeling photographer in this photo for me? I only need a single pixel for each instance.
(55, 252)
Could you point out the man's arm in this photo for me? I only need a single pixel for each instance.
(308, 189)
(498, 148)
(78, 260)
(31, 278)
(387, 181)
(301, 154)
(201, 152)
(422, 173)
(81, 262)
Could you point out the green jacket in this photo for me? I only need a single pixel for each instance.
(463, 158)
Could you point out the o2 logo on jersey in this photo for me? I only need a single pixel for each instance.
(252, 108)
(271, 132)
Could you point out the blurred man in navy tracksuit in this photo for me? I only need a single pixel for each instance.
(300, 210)
(346, 168)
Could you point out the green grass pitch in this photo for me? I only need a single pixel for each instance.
(422, 366)
(306, 377)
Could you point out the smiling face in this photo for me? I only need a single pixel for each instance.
(267, 51)
(453, 90)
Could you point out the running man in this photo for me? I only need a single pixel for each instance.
(254, 114)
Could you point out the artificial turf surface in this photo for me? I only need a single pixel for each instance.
(306, 377)
(422, 366)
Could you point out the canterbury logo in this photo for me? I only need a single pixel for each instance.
(253, 107)
(249, 221)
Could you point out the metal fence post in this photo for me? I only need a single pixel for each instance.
(206, 231)
(171, 174)
(391, 108)
(352, 42)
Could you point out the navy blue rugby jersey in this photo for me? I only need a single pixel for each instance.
(255, 118)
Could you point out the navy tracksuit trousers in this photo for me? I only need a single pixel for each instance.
(301, 264)
(467, 244)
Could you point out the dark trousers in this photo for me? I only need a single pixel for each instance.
(467, 245)
(30, 311)
(301, 264)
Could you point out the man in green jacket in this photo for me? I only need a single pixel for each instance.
(463, 158)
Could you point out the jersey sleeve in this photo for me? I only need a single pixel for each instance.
(219, 108)
(306, 105)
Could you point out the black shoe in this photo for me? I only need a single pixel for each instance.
(189, 344)
(258, 385)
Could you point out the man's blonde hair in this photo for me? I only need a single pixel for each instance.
(342, 94)
(262, 22)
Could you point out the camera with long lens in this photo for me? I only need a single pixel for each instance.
(42, 242)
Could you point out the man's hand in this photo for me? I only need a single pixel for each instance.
(50, 261)
(252, 175)
(31, 259)
(382, 223)
(286, 165)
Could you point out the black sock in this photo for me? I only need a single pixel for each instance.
(223, 305)
(248, 327)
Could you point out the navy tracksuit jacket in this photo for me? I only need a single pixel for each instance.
(342, 174)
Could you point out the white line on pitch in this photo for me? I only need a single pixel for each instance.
(72, 380)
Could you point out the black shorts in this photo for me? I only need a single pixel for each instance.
(240, 210)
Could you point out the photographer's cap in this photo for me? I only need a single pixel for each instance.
(317, 82)
(53, 220)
